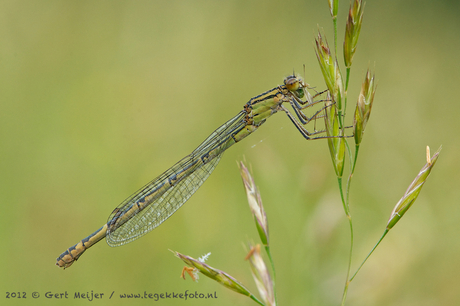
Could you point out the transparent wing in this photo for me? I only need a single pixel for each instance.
(162, 208)
(158, 200)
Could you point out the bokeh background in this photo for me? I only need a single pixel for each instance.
(98, 98)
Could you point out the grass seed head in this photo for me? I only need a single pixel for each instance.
(261, 275)
(255, 204)
(353, 28)
(413, 191)
(333, 7)
(336, 142)
(364, 106)
(326, 63)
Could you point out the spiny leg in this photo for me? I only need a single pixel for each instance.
(305, 133)
(302, 117)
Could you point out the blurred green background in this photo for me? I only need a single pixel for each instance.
(98, 98)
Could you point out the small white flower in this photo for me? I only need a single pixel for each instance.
(204, 257)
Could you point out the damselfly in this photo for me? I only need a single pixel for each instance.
(159, 199)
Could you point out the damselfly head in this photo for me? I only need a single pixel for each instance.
(295, 85)
(291, 80)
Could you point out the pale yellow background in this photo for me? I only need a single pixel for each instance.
(99, 97)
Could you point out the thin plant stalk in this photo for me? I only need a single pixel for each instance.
(339, 96)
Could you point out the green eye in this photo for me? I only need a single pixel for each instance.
(299, 92)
